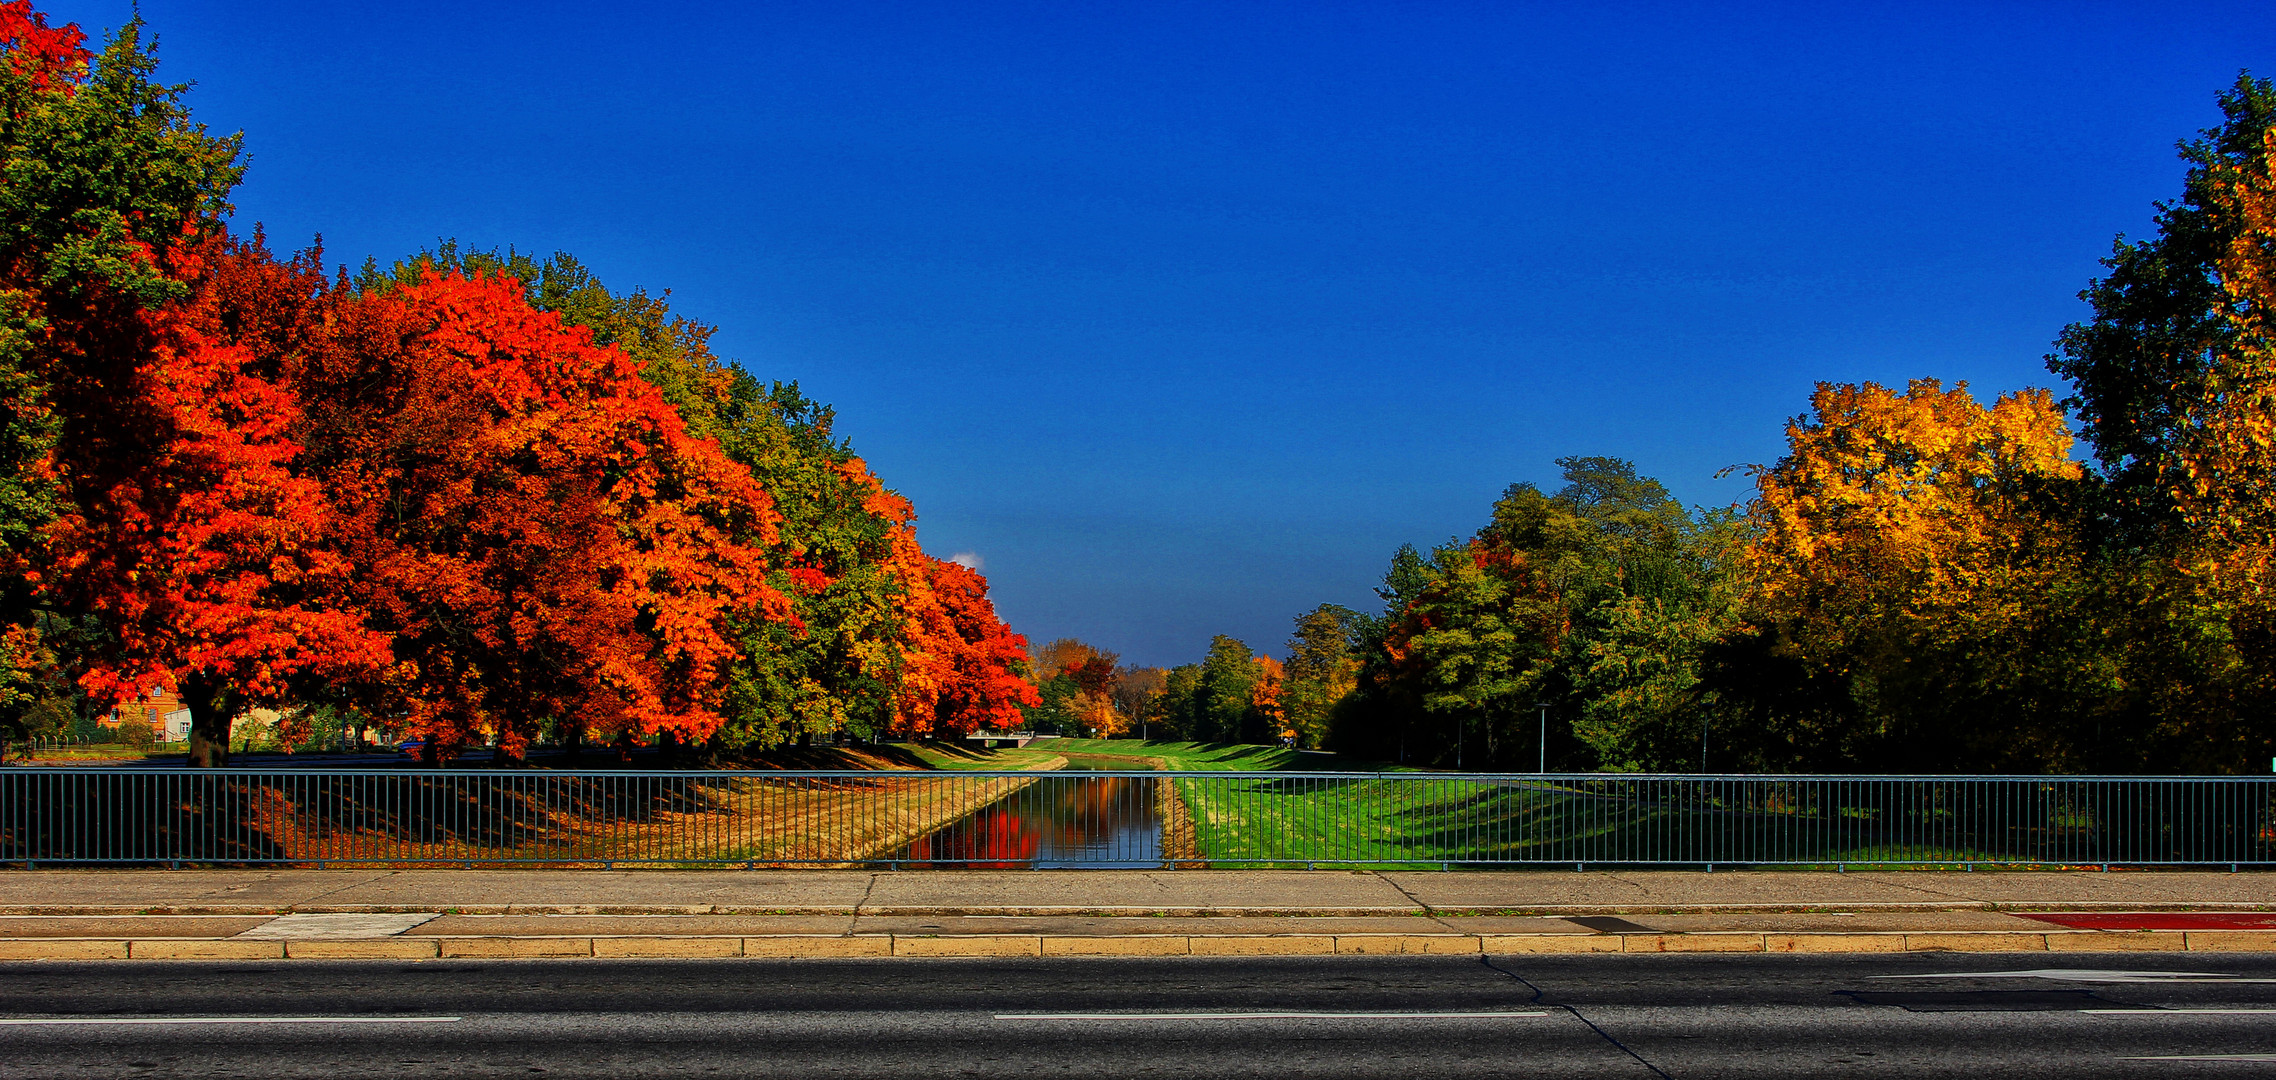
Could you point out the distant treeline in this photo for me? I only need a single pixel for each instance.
(1922, 584)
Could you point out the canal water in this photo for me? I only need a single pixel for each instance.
(1099, 822)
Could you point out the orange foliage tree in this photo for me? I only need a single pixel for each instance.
(832, 666)
(530, 521)
(961, 667)
(1265, 698)
(953, 665)
(1078, 688)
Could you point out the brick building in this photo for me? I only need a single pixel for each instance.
(162, 709)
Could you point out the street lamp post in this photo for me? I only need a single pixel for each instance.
(1542, 763)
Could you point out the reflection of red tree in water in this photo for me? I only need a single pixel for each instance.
(1058, 817)
(995, 838)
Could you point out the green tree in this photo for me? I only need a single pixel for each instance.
(2184, 653)
(1595, 600)
(1178, 711)
(1224, 694)
(104, 178)
(1322, 669)
(1138, 695)
(1643, 704)
(2158, 329)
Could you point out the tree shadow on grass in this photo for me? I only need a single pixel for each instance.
(150, 817)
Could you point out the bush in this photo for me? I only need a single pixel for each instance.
(47, 718)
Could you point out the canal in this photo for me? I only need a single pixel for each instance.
(1100, 822)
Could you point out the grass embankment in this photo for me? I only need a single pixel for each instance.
(1247, 821)
(828, 821)
(954, 757)
(1426, 820)
(838, 821)
(1193, 756)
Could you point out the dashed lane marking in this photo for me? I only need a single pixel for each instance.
(82, 1021)
(2205, 1057)
(2180, 1012)
(2088, 975)
(1276, 1016)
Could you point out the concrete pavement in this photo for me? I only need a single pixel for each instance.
(282, 913)
(1114, 892)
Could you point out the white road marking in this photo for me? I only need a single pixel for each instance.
(2206, 1057)
(1274, 1016)
(75, 1021)
(2088, 975)
(2180, 1012)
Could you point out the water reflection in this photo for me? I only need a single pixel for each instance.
(1098, 821)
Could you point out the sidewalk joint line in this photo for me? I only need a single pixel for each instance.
(853, 919)
(1428, 911)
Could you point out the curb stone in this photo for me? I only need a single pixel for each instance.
(804, 946)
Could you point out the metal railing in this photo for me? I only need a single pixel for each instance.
(58, 816)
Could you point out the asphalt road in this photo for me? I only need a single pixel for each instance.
(1920, 1014)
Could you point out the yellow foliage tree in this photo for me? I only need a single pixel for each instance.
(2225, 486)
(1906, 546)
(1097, 713)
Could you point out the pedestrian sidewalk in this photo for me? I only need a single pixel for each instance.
(411, 914)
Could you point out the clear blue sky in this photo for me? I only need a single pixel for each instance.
(1183, 316)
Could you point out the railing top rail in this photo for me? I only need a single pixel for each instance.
(841, 774)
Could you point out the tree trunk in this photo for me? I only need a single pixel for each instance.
(211, 712)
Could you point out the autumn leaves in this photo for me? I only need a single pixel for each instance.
(478, 499)
(1923, 583)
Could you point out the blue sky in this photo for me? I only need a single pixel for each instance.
(1183, 316)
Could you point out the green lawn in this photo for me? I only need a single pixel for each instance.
(1422, 819)
(1427, 820)
(941, 755)
(1214, 757)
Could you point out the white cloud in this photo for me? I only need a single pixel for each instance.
(970, 560)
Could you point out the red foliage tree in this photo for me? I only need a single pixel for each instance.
(529, 519)
(46, 57)
(195, 537)
(961, 667)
